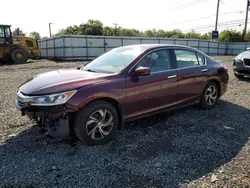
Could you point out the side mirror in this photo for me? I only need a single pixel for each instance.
(141, 71)
(248, 49)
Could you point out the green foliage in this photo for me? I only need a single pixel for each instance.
(247, 36)
(95, 27)
(35, 35)
(230, 36)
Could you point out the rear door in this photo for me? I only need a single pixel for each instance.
(192, 73)
(157, 90)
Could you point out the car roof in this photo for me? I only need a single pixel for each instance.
(153, 46)
(148, 47)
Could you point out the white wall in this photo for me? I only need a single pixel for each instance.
(88, 47)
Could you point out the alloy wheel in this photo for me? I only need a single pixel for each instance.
(211, 95)
(99, 124)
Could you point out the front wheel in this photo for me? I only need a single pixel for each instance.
(19, 55)
(96, 123)
(209, 96)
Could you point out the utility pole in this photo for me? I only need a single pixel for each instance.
(116, 24)
(50, 29)
(217, 15)
(246, 20)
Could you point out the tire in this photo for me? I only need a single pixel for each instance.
(209, 96)
(19, 55)
(89, 123)
(238, 76)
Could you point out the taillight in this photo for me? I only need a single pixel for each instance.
(225, 67)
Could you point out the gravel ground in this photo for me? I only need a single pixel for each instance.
(187, 148)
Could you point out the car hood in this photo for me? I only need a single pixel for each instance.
(61, 80)
(245, 54)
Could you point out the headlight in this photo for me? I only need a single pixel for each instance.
(238, 58)
(54, 99)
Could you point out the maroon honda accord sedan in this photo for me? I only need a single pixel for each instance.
(126, 83)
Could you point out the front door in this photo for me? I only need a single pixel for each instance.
(192, 73)
(155, 91)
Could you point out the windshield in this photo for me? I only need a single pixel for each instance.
(114, 61)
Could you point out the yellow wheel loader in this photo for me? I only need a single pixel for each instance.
(16, 49)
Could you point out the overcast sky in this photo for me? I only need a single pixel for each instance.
(34, 15)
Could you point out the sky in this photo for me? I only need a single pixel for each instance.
(34, 15)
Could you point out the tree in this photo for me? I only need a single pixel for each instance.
(95, 27)
(18, 32)
(207, 36)
(148, 33)
(35, 35)
(230, 36)
(193, 35)
(247, 37)
(108, 31)
(176, 33)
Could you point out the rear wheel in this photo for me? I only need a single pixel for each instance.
(209, 96)
(19, 55)
(96, 124)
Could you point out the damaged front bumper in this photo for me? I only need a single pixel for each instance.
(54, 119)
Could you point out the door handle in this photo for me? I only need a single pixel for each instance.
(204, 70)
(172, 76)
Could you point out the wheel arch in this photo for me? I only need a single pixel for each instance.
(13, 47)
(216, 81)
(114, 103)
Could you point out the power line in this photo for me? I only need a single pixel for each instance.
(220, 27)
(186, 21)
(187, 5)
(220, 24)
(229, 6)
(191, 3)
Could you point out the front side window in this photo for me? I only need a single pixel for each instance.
(114, 61)
(157, 61)
(185, 58)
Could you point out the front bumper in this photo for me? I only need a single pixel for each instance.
(55, 119)
(240, 68)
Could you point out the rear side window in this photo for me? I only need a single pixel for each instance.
(201, 59)
(185, 58)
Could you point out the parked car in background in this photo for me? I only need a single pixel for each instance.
(121, 85)
(241, 64)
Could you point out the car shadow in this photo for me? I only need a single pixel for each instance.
(245, 79)
(164, 150)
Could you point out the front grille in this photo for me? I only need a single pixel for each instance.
(247, 62)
